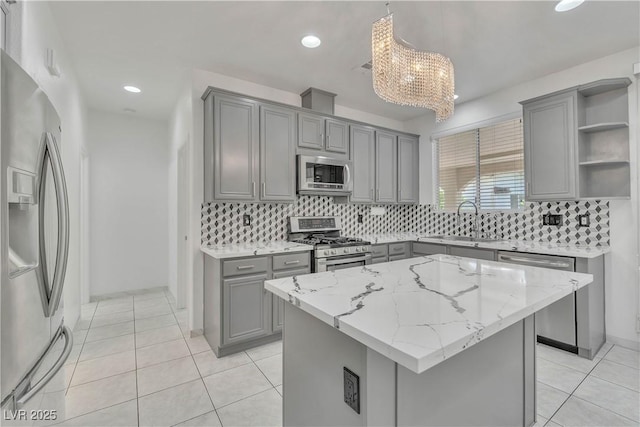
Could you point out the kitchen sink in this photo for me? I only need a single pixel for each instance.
(465, 238)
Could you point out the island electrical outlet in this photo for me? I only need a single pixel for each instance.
(352, 390)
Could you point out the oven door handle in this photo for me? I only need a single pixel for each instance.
(338, 261)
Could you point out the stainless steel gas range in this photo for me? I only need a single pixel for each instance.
(331, 250)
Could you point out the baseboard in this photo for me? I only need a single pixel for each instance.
(196, 333)
(121, 294)
(622, 342)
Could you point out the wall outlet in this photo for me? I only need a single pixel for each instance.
(359, 218)
(352, 390)
(246, 220)
(551, 219)
(583, 220)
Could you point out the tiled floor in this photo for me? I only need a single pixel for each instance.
(134, 364)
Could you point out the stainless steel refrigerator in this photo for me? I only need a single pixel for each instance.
(35, 343)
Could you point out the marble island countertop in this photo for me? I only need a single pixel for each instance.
(421, 311)
(236, 250)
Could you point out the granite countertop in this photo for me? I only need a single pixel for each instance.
(236, 250)
(421, 311)
(545, 248)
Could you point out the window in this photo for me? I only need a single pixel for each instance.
(483, 165)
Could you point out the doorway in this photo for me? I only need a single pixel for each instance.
(183, 225)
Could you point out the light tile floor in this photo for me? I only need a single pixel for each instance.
(133, 363)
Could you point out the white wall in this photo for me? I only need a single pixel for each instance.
(31, 31)
(190, 109)
(129, 218)
(622, 276)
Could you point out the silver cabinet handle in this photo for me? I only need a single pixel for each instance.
(253, 189)
(33, 390)
(245, 267)
(348, 172)
(371, 193)
(535, 262)
(399, 195)
(398, 249)
(264, 189)
(378, 197)
(52, 156)
(297, 261)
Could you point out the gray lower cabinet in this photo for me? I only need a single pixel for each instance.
(550, 153)
(467, 252)
(386, 164)
(231, 148)
(277, 154)
(239, 313)
(422, 248)
(408, 169)
(363, 159)
(390, 252)
(245, 308)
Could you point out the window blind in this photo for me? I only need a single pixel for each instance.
(484, 165)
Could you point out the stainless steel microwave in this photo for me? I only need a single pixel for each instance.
(324, 176)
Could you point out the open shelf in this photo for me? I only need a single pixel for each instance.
(605, 162)
(599, 127)
(604, 85)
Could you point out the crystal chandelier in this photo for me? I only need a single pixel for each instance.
(406, 76)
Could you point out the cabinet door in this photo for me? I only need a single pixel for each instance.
(278, 303)
(549, 148)
(245, 309)
(408, 170)
(310, 131)
(337, 136)
(235, 149)
(386, 167)
(363, 159)
(277, 154)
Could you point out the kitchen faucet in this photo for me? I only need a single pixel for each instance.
(476, 229)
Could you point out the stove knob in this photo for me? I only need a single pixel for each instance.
(358, 249)
(333, 252)
(346, 250)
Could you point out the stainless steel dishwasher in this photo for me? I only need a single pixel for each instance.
(556, 325)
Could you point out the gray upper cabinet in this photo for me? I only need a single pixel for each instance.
(277, 154)
(386, 163)
(337, 136)
(310, 131)
(363, 158)
(323, 134)
(550, 137)
(235, 148)
(408, 169)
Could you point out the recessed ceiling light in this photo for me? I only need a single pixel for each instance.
(566, 5)
(455, 96)
(132, 89)
(310, 41)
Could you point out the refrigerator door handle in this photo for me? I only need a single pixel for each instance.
(41, 271)
(32, 390)
(63, 223)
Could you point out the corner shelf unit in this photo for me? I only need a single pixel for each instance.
(603, 139)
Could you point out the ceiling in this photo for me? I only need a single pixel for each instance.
(493, 45)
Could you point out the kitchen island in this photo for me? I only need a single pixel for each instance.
(435, 340)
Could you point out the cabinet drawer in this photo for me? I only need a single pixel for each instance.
(397, 248)
(378, 251)
(240, 267)
(487, 254)
(378, 260)
(284, 262)
(420, 248)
